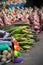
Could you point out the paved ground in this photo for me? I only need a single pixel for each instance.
(35, 55)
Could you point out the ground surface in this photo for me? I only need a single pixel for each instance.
(34, 56)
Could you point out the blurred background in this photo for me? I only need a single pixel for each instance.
(37, 3)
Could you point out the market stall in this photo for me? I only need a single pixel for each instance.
(19, 29)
